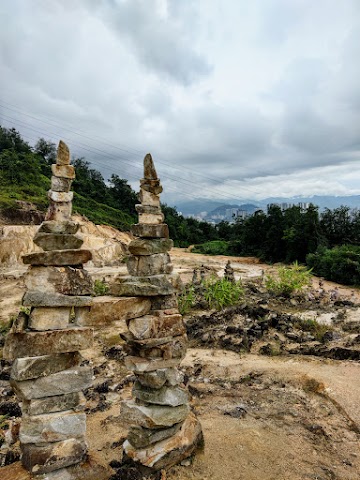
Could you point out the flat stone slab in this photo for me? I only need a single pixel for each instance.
(151, 218)
(64, 280)
(150, 231)
(40, 406)
(152, 416)
(63, 171)
(144, 265)
(151, 326)
(51, 226)
(140, 437)
(54, 427)
(171, 396)
(49, 318)
(33, 344)
(141, 246)
(39, 459)
(57, 241)
(142, 365)
(34, 367)
(170, 451)
(165, 348)
(58, 257)
(107, 310)
(60, 197)
(158, 378)
(43, 299)
(149, 198)
(60, 184)
(145, 286)
(67, 381)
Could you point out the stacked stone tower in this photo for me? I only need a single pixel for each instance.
(48, 372)
(163, 431)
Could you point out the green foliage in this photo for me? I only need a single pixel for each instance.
(339, 264)
(100, 288)
(221, 293)
(215, 247)
(187, 299)
(317, 329)
(289, 279)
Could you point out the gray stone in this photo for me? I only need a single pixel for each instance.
(145, 265)
(161, 377)
(148, 198)
(39, 299)
(149, 168)
(48, 318)
(63, 280)
(150, 231)
(39, 459)
(60, 212)
(141, 246)
(60, 197)
(51, 226)
(58, 257)
(152, 326)
(63, 171)
(164, 302)
(71, 401)
(33, 344)
(171, 451)
(171, 396)
(63, 154)
(67, 381)
(145, 286)
(143, 365)
(27, 368)
(54, 427)
(154, 348)
(140, 437)
(152, 186)
(57, 241)
(152, 416)
(151, 209)
(60, 184)
(151, 219)
(88, 470)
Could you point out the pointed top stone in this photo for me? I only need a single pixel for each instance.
(149, 168)
(63, 154)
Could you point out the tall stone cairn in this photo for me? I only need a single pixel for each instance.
(163, 431)
(48, 372)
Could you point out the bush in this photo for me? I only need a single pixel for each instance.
(187, 299)
(221, 293)
(216, 247)
(339, 264)
(100, 288)
(289, 279)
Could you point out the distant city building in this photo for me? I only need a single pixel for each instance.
(285, 206)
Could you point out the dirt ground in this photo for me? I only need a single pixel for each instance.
(265, 418)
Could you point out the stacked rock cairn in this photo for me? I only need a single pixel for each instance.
(48, 372)
(163, 430)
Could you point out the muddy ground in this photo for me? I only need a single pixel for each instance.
(276, 400)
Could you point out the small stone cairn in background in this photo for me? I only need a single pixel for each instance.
(48, 372)
(163, 431)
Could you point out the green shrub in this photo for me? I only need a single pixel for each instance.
(289, 279)
(187, 299)
(100, 288)
(221, 293)
(215, 247)
(317, 329)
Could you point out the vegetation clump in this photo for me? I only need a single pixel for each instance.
(288, 280)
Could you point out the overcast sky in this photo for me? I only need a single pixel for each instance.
(234, 98)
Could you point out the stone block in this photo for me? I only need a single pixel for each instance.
(107, 310)
(142, 365)
(165, 348)
(54, 427)
(171, 451)
(91, 469)
(57, 241)
(51, 226)
(38, 406)
(63, 154)
(33, 344)
(151, 326)
(140, 437)
(161, 377)
(64, 280)
(151, 219)
(67, 381)
(60, 184)
(149, 198)
(164, 302)
(40, 459)
(171, 396)
(60, 197)
(150, 231)
(152, 186)
(149, 168)
(145, 286)
(145, 265)
(27, 368)
(39, 299)
(152, 416)
(58, 258)
(48, 318)
(63, 171)
(150, 209)
(141, 246)
(60, 212)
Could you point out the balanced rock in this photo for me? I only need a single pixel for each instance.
(142, 365)
(60, 197)
(153, 285)
(150, 231)
(38, 406)
(59, 184)
(159, 378)
(47, 318)
(156, 264)
(63, 171)
(68, 227)
(140, 246)
(63, 280)
(43, 299)
(152, 326)
(56, 241)
(149, 198)
(140, 437)
(59, 211)
(63, 154)
(58, 258)
(152, 416)
(171, 396)
(27, 368)
(149, 168)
